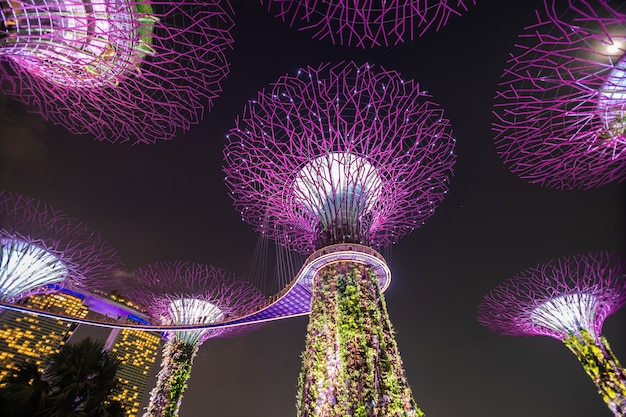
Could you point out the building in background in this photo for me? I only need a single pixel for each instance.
(137, 351)
(28, 336)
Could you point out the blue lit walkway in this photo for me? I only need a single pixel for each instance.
(294, 300)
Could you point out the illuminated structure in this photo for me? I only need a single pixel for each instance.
(342, 156)
(367, 23)
(567, 299)
(41, 246)
(29, 336)
(186, 293)
(122, 70)
(561, 107)
(137, 351)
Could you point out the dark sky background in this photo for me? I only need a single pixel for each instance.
(167, 201)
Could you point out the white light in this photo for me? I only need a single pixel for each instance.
(25, 266)
(567, 314)
(612, 103)
(194, 311)
(336, 185)
(615, 47)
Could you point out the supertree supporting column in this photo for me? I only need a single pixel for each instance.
(351, 361)
(121, 70)
(367, 23)
(41, 246)
(561, 107)
(335, 155)
(567, 299)
(186, 293)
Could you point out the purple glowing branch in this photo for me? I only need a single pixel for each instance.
(338, 154)
(561, 108)
(559, 298)
(188, 293)
(41, 246)
(121, 70)
(370, 23)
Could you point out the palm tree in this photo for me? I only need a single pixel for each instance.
(79, 381)
(26, 393)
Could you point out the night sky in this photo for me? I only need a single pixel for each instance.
(167, 201)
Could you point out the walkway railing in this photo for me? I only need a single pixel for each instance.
(293, 300)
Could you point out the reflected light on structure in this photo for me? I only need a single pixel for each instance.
(79, 44)
(569, 312)
(25, 266)
(194, 311)
(613, 100)
(337, 183)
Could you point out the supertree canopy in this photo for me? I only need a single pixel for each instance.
(41, 246)
(342, 154)
(367, 23)
(567, 299)
(187, 293)
(561, 107)
(122, 70)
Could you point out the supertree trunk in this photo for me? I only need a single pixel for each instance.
(351, 364)
(603, 367)
(175, 371)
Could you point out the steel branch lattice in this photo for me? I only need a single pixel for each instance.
(184, 293)
(367, 23)
(561, 107)
(121, 70)
(42, 246)
(339, 154)
(294, 300)
(558, 298)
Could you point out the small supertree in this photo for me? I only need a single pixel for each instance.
(187, 293)
(561, 108)
(567, 299)
(121, 70)
(342, 154)
(367, 23)
(41, 246)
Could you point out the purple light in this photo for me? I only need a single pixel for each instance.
(41, 246)
(121, 70)
(558, 298)
(370, 23)
(561, 107)
(339, 154)
(188, 293)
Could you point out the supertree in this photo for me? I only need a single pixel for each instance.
(335, 155)
(121, 70)
(561, 107)
(567, 299)
(42, 247)
(367, 23)
(186, 293)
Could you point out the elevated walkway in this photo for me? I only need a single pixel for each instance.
(294, 300)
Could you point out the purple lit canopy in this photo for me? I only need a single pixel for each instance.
(561, 108)
(41, 246)
(558, 298)
(121, 70)
(190, 293)
(367, 23)
(349, 153)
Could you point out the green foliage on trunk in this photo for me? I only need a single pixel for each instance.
(351, 365)
(603, 367)
(172, 380)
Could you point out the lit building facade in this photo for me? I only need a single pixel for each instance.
(28, 336)
(137, 351)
